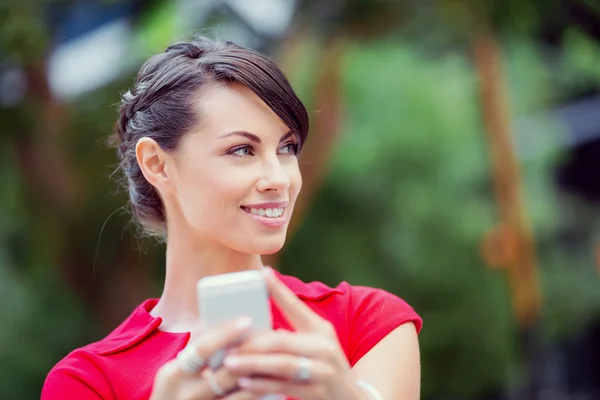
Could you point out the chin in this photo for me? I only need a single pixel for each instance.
(269, 251)
(266, 245)
(269, 248)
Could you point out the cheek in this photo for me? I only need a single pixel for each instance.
(219, 190)
(295, 180)
(204, 195)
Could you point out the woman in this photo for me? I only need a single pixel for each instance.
(208, 139)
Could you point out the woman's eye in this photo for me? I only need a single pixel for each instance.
(290, 148)
(241, 151)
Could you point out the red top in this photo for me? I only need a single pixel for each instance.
(123, 364)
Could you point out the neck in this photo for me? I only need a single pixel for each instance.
(186, 263)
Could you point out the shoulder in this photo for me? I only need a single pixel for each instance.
(381, 305)
(359, 300)
(362, 315)
(84, 371)
(78, 374)
(376, 313)
(312, 291)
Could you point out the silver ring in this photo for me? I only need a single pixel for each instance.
(304, 369)
(189, 360)
(214, 385)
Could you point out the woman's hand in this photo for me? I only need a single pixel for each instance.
(187, 377)
(308, 364)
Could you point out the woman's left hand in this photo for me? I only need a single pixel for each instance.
(306, 364)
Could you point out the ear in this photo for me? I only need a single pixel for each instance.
(154, 163)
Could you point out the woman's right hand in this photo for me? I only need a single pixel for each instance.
(172, 382)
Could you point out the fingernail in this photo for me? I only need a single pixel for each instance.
(231, 361)
(245, 382)
(244, 323)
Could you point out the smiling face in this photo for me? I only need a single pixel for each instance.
(236, 175)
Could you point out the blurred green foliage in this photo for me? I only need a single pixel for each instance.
(409, 198)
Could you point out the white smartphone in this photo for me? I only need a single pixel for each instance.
(224, 297)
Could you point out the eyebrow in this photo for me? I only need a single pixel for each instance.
(252, 136)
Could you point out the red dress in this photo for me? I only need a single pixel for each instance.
(123, 364)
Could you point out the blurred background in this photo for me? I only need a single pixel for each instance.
(452, 160)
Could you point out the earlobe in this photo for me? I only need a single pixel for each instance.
(152, 161)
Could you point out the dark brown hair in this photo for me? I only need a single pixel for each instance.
(160, 106)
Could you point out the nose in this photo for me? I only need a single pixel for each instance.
(274, 177)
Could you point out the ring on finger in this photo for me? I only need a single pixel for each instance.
(190, 361)
(214, 386)
(304, 369)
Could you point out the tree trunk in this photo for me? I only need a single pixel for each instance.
(516, 246)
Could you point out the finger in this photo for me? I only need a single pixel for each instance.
(208, 385)
(227, 335)
(276, 366)
(223, 336)
(243, 395)
(223, 379)
(309, 345)
(302, 318)
(263, 386)
(215, 384)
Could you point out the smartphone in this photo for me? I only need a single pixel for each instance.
(224, 297)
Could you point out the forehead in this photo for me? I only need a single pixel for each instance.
(234, 107)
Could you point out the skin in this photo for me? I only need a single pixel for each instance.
(204, 185)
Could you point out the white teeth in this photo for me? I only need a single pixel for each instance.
(269, 212)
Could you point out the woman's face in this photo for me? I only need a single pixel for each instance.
(237, 176)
